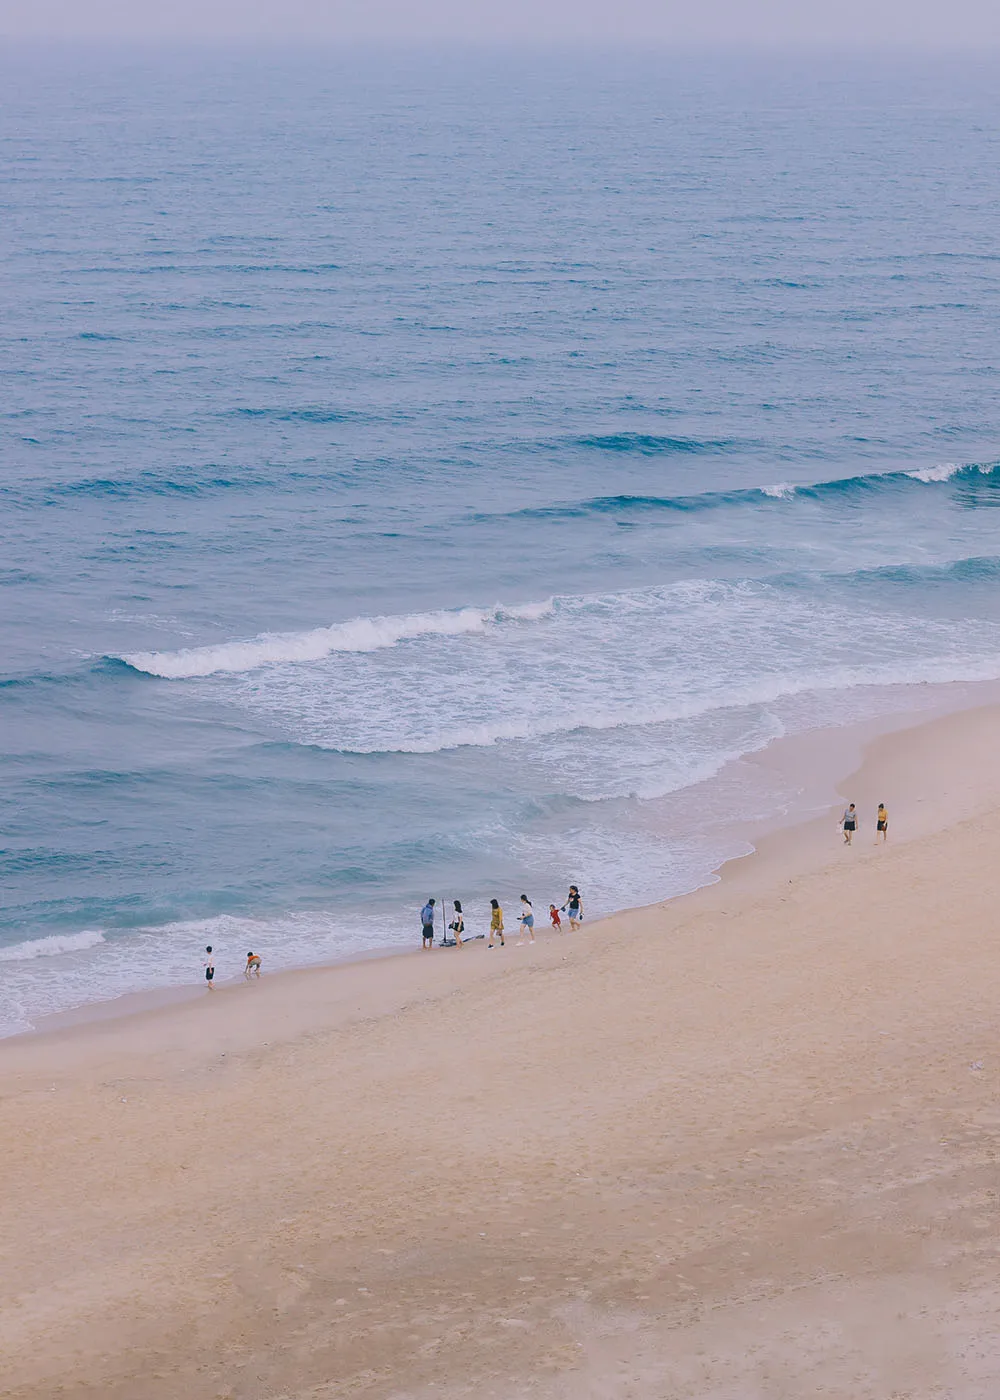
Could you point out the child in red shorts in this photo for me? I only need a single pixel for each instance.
(554, 916)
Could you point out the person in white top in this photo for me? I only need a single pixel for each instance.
(457, 924)
(527, 919)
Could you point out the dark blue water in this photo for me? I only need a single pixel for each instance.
(418, 472)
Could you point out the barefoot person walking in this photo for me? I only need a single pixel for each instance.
(496, 923)
(527, 920)
(457, 924)
(209, 968)
(574, 908)
(849, 823)
(881, 823)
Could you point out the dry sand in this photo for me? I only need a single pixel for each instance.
(738, 1147)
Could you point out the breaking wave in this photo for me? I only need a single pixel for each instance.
(52, 946)
(360, 634)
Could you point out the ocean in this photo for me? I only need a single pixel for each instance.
(433, 473)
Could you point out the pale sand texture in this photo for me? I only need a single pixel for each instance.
(734, 1148)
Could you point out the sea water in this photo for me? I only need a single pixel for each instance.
(428, 474)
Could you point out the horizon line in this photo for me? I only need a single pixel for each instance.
(536, 43)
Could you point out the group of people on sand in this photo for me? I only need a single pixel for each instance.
(572, 908)
(849, 823)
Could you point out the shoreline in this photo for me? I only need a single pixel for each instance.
(831, 757)
(798, 846)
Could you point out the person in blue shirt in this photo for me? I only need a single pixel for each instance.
(427, 924)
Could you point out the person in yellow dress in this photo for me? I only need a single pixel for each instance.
(496, 923)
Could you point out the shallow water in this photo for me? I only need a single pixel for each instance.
(419, 472)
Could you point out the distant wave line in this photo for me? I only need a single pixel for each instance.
(211, 479)
(653, 444)
(776, 493)
(208, 481)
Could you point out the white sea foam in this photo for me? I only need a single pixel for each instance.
(944, 471)
(621, 661)
(360, 634)
(52, 946)
(925, 671)
(36, 984)
(781, 490)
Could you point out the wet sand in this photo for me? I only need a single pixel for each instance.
(741, 1145)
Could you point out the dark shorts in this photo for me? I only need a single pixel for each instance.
(880, 826)
(209, 973)
(428, 932)
(850, 826)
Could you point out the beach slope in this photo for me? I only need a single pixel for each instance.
(742, 1145)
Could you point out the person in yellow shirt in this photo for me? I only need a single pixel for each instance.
(496, 923)
(881, 823)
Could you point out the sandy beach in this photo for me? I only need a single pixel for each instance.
(741, 1146)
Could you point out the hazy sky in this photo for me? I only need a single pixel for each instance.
(955, 23)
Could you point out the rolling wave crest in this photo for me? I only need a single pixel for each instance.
(776, 494)
(52, 946)
(357, 635)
